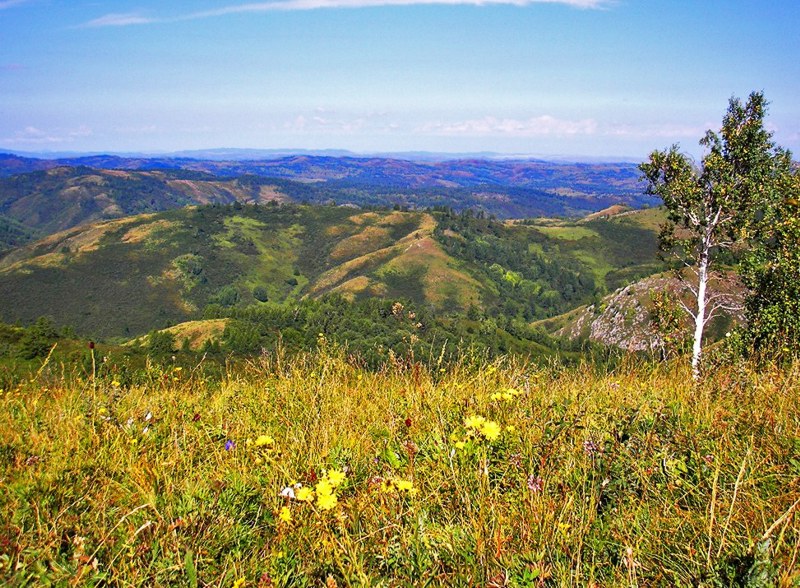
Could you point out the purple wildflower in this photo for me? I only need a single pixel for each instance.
(535, 484)
(229, 445)
(590, 447)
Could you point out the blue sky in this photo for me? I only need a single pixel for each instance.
(615, 78)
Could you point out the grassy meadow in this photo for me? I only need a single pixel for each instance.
(312, 471)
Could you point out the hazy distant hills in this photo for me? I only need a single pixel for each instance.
(41, 196)
(63, 197)
(620, 179)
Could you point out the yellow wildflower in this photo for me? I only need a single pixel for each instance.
(388, 487)
(474, 422)
(239, 583)
(327, 501)
(304, 494)
(285, 514)
(404, 485)
(336, 477)
(264, 440)
(324, 487)
(460, 444)
(491, 430)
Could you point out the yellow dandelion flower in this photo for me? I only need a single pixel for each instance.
(336, 477)
(507, 397)
(304, 494)
(404, 485)
(474, 422)
(511, 428)
(264, 440)
(327, 501)
(496, 396)
(285, 514)
(239, 583)
(491, 430)
(388, 487)
(460, 444)
(324, 487)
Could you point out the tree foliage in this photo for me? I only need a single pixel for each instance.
(709, 206)
(771, 267)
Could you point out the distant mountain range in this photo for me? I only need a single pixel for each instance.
(40, 196)
(587, 178)
(239, 154)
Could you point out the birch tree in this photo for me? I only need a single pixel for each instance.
(708, 204)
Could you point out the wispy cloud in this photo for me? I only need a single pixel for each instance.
(532, 127)
(324, 121)
(120, 20)
(550, 126)
(666, 131)
(127, 19)
(317, 4)
(11, 3)
(35, 136)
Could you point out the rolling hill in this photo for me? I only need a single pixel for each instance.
(124, 277)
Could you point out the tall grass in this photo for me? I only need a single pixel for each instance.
(633, 477)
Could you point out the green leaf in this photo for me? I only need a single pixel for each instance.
(191, 570)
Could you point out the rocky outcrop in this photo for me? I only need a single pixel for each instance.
(624, 318)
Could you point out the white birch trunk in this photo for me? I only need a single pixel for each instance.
(700, 315)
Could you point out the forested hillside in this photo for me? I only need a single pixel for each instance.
(125, 277)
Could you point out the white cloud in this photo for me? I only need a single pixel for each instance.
(119, 20)
(316, 4)
(340, 124)
(35, 136)
(533, 127)
(32, 136)
(292, 5)
(11, 3)
(665, 131)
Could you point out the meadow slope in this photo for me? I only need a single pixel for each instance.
(315, 472)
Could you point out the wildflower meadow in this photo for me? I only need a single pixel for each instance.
(313, 471)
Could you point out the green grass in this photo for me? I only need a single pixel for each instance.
(633, 477)
(568, 232)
